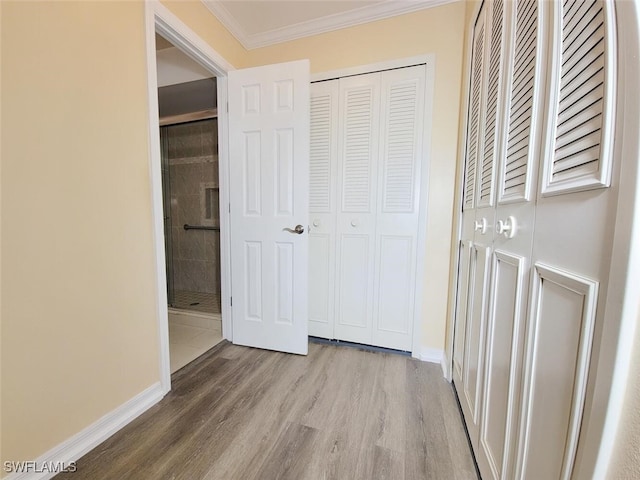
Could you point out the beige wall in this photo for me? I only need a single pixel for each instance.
(439, 31)
(78, 313)
(78, 310)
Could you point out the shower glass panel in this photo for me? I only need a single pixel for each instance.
(192, 214)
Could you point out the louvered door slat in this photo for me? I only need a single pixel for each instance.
(580, 158)
(320, 158)
(517, 160)
(400, 154)
(474, 114)
(358, 118)
(489, 157)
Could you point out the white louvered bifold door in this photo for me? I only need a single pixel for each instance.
(397, 206)
(464, 328)
(367, 161)
(359, 133)
(323, 179)
(478, 239)
(575, 215)
(522, 377)
(518, 141)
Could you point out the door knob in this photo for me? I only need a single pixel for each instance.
(481, 226)
(354, 222)
(316, 223)
(299, 229)
(507, 227)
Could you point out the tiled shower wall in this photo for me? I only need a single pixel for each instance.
(193, 168)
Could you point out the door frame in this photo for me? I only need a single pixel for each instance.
(613, 357)
(429, 60)
(160, 19)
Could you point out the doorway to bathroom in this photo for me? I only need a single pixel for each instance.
(191, 202)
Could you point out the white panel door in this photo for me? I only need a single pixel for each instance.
(323, 179)
(269, 178)
(359, 132)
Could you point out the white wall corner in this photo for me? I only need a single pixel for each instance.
(82, 442)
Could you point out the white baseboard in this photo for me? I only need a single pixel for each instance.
(431, 355)
(75, 447)
(211, 321)
(446, 367)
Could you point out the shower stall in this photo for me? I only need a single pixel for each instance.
(192, 219)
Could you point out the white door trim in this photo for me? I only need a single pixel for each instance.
(159, 18)
(429, 61)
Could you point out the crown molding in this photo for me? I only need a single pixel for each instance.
(358, 16)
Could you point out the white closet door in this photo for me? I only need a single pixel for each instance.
(397, 206)
(575, 218)
(366, 166)
(323, 179)
(519, 149)
(477, 239)
(467, 253)
(356, 218)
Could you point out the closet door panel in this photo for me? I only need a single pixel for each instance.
(356, 217)
(517, 143)
(461, 308)
(395, 291)
(397, 205)
(469, 223)
(560, 333)
(354, 296)
(323, 175)
(498, 423)
(474, 340)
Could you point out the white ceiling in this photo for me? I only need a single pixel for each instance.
(258, 23)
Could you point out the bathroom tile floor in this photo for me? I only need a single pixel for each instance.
(186, 343)
(196, 301)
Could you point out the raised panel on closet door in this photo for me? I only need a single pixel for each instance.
(462, 302)
(473, 363)
(503, 364)
(397, 205)
(572, 246)
(356, 217)
(518, 150)
(560, 335)
(323, 175)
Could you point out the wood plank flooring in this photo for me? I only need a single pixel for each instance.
(339, 413)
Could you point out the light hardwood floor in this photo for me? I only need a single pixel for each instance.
(339, 413)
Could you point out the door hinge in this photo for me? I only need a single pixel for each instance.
(227, 107)
(231, 301)
(229, 208)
